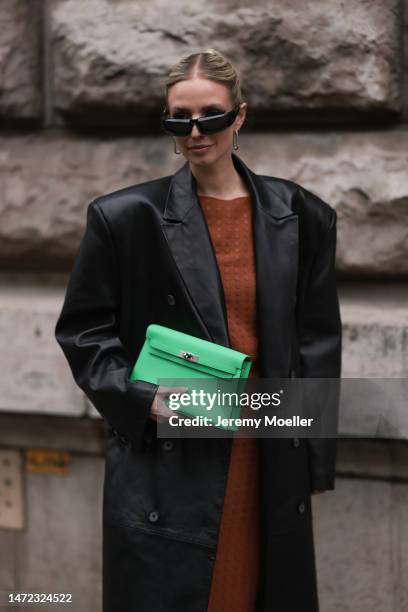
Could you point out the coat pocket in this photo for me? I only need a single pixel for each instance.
(156, 492)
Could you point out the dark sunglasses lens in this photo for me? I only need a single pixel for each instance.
(176, 127)
(211, 125)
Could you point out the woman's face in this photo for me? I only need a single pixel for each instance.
(197, 97)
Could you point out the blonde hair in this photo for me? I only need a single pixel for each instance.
(208, 64)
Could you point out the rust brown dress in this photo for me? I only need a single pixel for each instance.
(237, 564)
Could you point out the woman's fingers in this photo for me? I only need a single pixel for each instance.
(159, 411)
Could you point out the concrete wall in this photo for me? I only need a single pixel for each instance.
(327, 89)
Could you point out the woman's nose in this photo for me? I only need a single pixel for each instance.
(195, 131)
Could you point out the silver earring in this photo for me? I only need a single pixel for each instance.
(235, 140)
(175, 147)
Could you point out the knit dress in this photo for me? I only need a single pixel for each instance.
(237, 563)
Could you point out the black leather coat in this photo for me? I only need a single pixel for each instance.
(146, 257)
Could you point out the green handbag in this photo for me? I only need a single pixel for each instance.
(171, 354)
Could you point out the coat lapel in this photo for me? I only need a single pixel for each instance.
(275, 228)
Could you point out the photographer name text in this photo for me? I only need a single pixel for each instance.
(254, 422)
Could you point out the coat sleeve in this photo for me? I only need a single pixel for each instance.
(87, 332)
(320, 347)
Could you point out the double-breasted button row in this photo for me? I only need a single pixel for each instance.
(171, 300)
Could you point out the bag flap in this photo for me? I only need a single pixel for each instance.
(201, 351)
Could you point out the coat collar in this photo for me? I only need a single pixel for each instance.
(182, 194)
(275, 233)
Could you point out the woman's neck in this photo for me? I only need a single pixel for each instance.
(220, 180)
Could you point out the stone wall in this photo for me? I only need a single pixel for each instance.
(326, 93)
(81, 90)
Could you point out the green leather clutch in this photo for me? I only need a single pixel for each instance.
(171, 354)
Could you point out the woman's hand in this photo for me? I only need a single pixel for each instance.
(159, 411)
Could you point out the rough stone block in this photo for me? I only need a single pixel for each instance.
(291, 56)
(364, 176)
(20, 95)
(47, 183)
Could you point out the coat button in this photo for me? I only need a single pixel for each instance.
(171, 299)
(301, 507)
(296, 442)
(153, 516)
(168, 445)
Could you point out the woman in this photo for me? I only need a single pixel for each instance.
(240, 259)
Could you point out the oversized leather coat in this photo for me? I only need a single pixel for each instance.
(146, 257)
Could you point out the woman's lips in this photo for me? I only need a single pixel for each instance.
(199, 147)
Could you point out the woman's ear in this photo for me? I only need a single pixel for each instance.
(240, 118)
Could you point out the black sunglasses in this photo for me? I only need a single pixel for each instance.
(206, 125)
